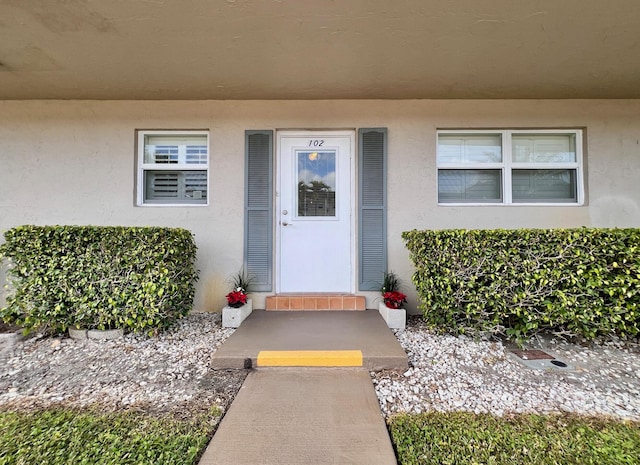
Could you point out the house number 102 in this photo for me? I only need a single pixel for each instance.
(316, 143)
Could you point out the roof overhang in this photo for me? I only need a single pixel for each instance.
(292, 49)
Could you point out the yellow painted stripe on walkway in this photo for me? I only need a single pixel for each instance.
(310, 358)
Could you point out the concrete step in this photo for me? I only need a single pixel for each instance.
(315, 331)
(309, 358)
(303, 416)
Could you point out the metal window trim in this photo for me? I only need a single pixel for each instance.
(509, 165)
(141, 167)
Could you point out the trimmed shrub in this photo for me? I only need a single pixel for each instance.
(579, 282)
(140, 279)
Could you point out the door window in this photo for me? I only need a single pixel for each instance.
(316, 183)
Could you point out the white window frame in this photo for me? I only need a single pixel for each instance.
(142, 166)
(508, 165)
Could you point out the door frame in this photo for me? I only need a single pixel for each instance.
(316, 133)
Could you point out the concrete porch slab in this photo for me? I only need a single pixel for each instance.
(313, 330)
(303, 416)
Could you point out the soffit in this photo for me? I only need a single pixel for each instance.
(292, 49)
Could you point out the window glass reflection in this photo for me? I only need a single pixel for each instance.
(316, 183)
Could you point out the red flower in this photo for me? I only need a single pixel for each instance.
(394, 299)
(236, 299)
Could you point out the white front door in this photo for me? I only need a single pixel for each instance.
(314, 217)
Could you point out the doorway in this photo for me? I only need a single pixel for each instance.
(315, 218)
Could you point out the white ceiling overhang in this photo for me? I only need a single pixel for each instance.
(320, 49)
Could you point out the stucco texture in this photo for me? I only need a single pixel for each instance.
(73, 162)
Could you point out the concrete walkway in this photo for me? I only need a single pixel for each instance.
(365, 331)
(303, 416)
(288, 413)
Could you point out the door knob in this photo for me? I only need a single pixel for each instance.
(284, 223)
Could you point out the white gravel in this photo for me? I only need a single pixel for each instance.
(457, 373)
(172, 372)
(159, 373)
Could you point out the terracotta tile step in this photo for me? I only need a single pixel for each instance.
(303, 302)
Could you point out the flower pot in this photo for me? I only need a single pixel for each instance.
(396, 318)
(105, 333)
(233, 317)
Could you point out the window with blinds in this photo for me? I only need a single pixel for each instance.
(173, 167)
(510, 167)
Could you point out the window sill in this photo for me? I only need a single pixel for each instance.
(538, 204)
(177, 205)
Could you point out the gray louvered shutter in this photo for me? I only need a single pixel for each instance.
(372, 208)
(259, 209)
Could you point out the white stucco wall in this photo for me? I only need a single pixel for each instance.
(72, 162)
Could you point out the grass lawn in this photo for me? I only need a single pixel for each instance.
(465, 438)
(60, 436)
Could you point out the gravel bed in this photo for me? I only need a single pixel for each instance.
(450, 373)
(170, 373)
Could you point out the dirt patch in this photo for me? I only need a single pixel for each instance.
(7, 328)
(218, 388)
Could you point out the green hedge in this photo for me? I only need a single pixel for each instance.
(138, 279)
(580, 282)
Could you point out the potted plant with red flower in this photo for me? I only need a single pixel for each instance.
(394, 299)
(391, 307)
(236, 298)
(239, 305)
